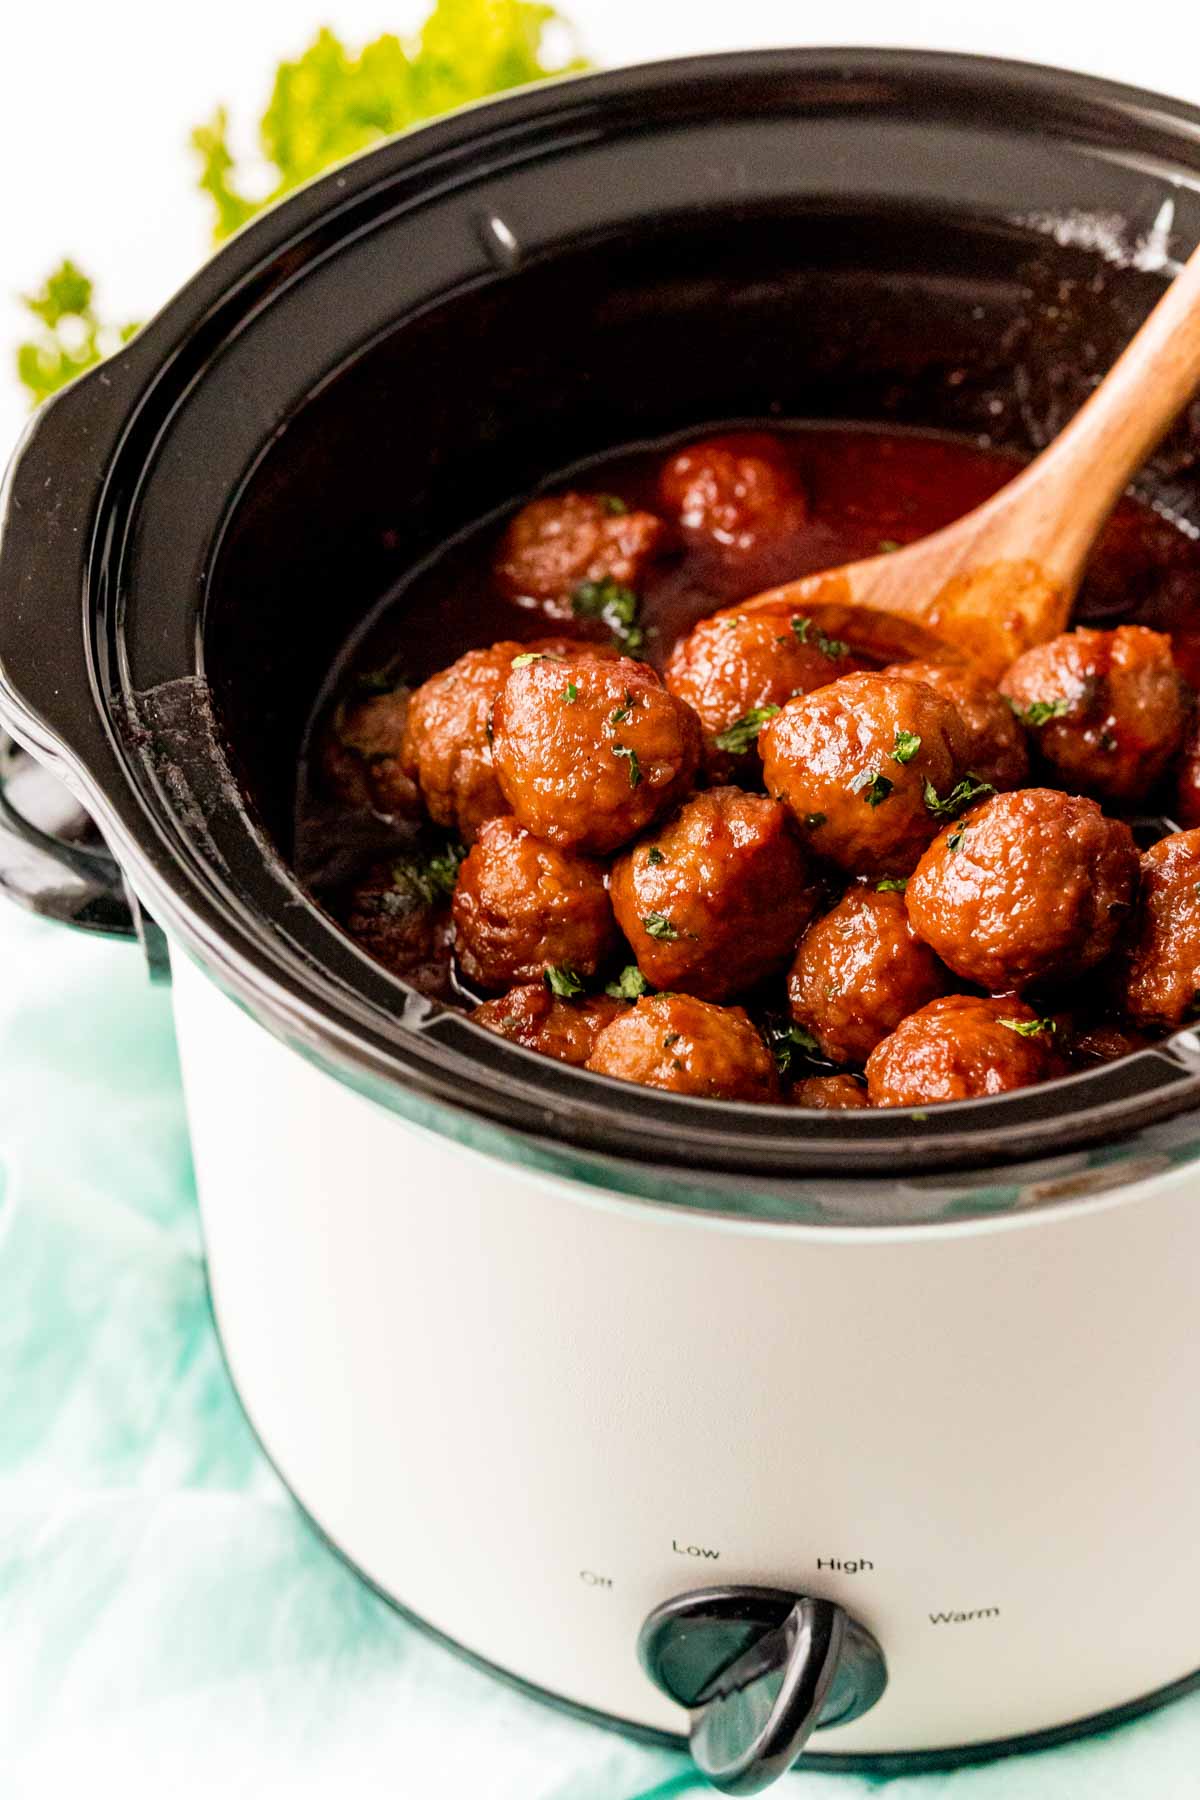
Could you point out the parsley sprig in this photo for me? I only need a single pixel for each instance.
(630, 984)
(1030, 1028)
(563, 982)
(616, 606)
(809, 633)
(962, 795)
(738, 738)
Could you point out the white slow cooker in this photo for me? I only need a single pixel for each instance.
(700, 1418)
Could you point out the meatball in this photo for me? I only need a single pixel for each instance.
(445, 748)
(589, 758)
(735, 669)
(1187, 781)
(960, 1048)
(733, 491)
(870, 765)
(538, 1019)
(995, 744)
(557, 543)
(717, 900)
(858, 971)
(522, 906)
(398, 912)
(1107, 710)
(675, 1041)
(1161, 973)
(1030, 886)
(360, 754)
(829, 1093)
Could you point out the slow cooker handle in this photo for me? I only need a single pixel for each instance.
(759, 1669)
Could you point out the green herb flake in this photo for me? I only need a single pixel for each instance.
(630, 984)
(806, 632)
(1030, 1028)
(907, 745)
(790, 1041)
(635, 769)
(743, 734)
(887, 545)
(954, 842)
(570, 693)
(613, 505)
(563, 982)
(615, 606)
(623, 711)
(671, 1038)
(873, 787)
(654, 856)
(657, 925)
(428, 878)
(531, 656)
(962, 795)
(1040, 712)
(892, 884)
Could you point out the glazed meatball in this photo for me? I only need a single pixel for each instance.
(522, 906)
(675, 1041)
(1161, 976)
(858, 971)
(1106, 710)
(960, 1048)
(591, 755)
(733, 492)
(736, 668)
(402, 918)
(714, 901)
(533, 1016)
(445, 748)
(360, 754)
(995, 745)
(556, 544)
(1030, 886)
(829, 1093)
(869, 765)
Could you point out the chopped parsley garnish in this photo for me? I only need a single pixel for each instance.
(613, 505)
(887, 545)
(428, 878)
(563, 982)
(892, 884)
(623, 711)
(1039, 712)
(954, 842)
(907, 745)
(789, 1041)
(630, 984)
(814, 820)
(570, 693)
(531, 656)
(807, 633)
(874, 788)
(615, 606)
(1030, 1028)
(672, 1037)
(970, 788)
(370, 683)
(635, 770)
(657, 925)
(744, 731)
(654, 855)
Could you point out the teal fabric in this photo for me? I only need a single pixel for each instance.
(168, 1623)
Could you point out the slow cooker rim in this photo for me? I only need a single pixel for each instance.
(261, 980)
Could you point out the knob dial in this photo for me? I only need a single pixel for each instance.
(759, 1670)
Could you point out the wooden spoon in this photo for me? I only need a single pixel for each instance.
(1003, 577)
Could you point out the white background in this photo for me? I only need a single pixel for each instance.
(96, 101)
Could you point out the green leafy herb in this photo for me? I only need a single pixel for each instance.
(807, 633)
(531, 656)
(613, 505)
(892, 884)
(615, 606)
(874, 788)
(788, 1042)
(623, 711)
(654, 855)
(814, 821)
(428, 878)
(630, 984)
(672, 1037)
(71, 336)
(954, 842)
(635, 768)
(744, 732)
(907, 745)
(1030, 1028)
(1040, 712)
(657, 925)
(570, 693)
(970, 788)
(563, 982)
(887, 545)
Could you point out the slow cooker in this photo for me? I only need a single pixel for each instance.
(691, 1416)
